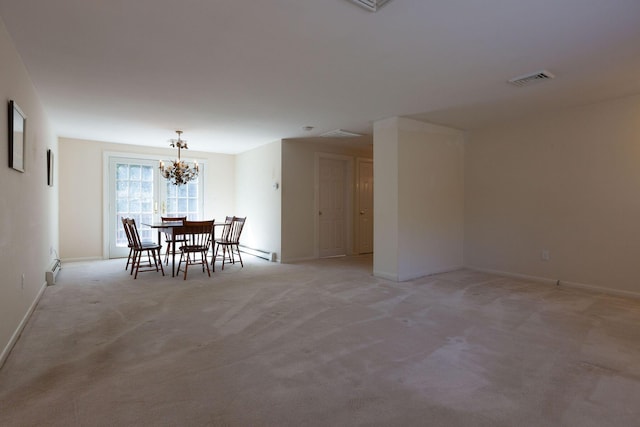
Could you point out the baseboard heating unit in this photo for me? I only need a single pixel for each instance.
(269, 256)
(54, 269)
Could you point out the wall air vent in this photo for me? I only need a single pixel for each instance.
(370, 5)
(339, 133)
(527, 79)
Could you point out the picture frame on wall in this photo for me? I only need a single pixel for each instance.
(50, 168)
(17, 136)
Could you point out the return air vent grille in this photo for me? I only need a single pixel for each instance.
(339, 133)
(531, 78)
(371, 5)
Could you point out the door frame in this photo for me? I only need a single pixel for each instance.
(356, 216)
(106, 199)
(349, 161)
(110, 221)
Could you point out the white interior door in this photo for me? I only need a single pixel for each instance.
(133, 193)
(332, 207)
(365, 206)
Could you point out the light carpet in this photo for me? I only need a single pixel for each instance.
(320, 343)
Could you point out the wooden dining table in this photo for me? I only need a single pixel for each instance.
(167, 227)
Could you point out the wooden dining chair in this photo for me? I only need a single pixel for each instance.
(197, 241)
(230, 242)
(129, 240)
(152, 249)
(170, 239)
(225, 230)
(130, 244)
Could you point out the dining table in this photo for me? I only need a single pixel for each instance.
(169, 228)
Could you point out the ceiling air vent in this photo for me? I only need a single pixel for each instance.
(371, 5)
(339, 133)
(527, 79)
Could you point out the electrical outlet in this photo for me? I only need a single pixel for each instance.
(545, 255)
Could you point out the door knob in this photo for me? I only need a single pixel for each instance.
(319, 212)
(361, 212)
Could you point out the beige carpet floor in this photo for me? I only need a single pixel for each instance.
(321, 343)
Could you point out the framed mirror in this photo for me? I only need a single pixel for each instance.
(17, 136)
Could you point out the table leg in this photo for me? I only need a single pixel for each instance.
(160, 243)
(173, 257)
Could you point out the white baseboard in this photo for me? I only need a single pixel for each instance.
(554, 282)
(294, 260)
(14, 338)
(431, 272)
(97, 258)
(416, 275)
(259, 253)
(386, 276)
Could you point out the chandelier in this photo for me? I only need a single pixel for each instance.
(179, 172)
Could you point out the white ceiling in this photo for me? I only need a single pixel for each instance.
(237, 74)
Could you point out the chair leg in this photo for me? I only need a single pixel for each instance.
(205, 261)
(214, 258)
(136, 261)
(126, 267)
(133, 262)
(239, 256)
(224, 255)
(139, 260)
(227, 255)
(159, 254)
(152, 253)
(180, 261)
(155, 259)
(186, 265)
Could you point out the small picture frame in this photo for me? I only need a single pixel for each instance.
(50, 167)
(17, 136)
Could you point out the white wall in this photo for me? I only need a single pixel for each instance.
(257, 171)
(81, 191)
(567, 183)
(298, 189)
(385, 198)
(419, 198)
(28, 207)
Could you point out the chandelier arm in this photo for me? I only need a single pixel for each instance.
(179, 172)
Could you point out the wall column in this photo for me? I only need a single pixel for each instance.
(418, 198)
